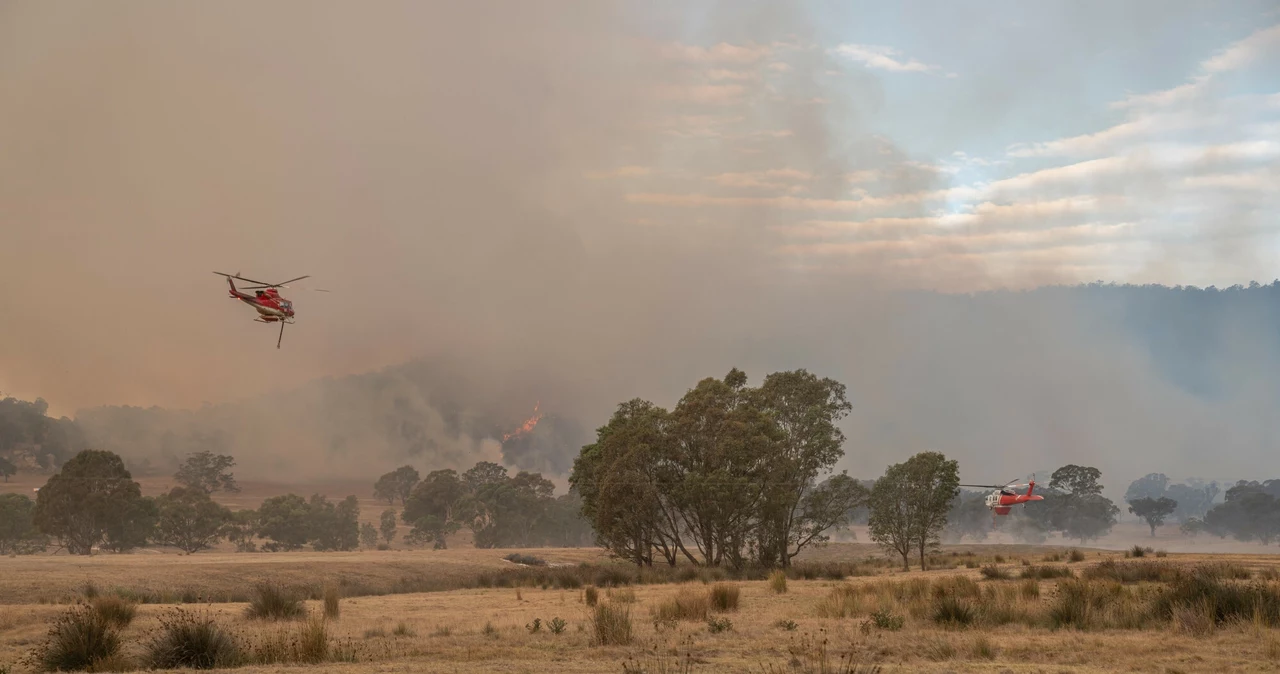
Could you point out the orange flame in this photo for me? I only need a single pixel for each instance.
(527, 426)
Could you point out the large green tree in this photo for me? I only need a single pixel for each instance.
(208, 472)
(7, 468)
(909, 505)
(18, 532)
(1081, 511)
(1153, 510)
(618, 479)
(91, 495)
(397, 484)
(806, 410)
(189, 520)
(434, 509)
(717, 472)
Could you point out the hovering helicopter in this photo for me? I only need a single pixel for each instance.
(271, 306)
(1004, 498)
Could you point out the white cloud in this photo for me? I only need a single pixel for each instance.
(883, 58)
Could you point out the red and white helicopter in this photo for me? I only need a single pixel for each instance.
(271, 306)
(1004, 498)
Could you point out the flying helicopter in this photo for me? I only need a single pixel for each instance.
(272, 307)
(1004, 498)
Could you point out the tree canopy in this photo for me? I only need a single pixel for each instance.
(731, 474)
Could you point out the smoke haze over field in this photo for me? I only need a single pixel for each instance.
(580, 202)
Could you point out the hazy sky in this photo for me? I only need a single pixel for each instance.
(626, 196)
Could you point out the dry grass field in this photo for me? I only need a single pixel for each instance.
(469, 610)
(880, 615)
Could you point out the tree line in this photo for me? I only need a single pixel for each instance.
(501, 510)
(93, 502)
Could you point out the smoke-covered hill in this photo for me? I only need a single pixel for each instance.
(1132, 379)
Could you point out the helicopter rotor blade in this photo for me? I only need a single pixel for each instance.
(246, 280)
(282, 285)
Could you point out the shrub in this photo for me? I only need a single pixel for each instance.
(717, 625)
(611, 625)
(993, 572)
(273, 602)
(724, 597)
(887, 620)
(331, 597)
(786, 624)
(1075, 555)
(1135, 551)
(187, 641)
(78, 640)
(527, 560)
(778, 582)
(611, 578)
(591, 595)
(952, 611)
(556, 625)
(535, 626)
(117, 611)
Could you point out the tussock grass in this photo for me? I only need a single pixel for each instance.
(844, 601)
(331, 597)
(1075, 556)
(186, 640)
(993, 572)
(591, 595)
(1046, 572)
(273, 602)
(778, 582)
(116, 610)
(79, 639)
(1134, 572)
(611, 625)
(724, 597)
(687, 604)
(951, 611)
(622, 595)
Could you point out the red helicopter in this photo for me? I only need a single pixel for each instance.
(271, 306)
(1002, 501)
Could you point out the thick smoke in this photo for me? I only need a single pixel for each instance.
(481, 185)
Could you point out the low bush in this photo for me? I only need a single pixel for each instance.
(993, 572)
(527, 560)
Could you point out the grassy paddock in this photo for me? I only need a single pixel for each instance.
(1174, 613)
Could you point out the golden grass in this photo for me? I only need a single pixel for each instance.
(888, 618)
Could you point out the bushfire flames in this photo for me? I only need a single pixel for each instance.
(527, 426)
